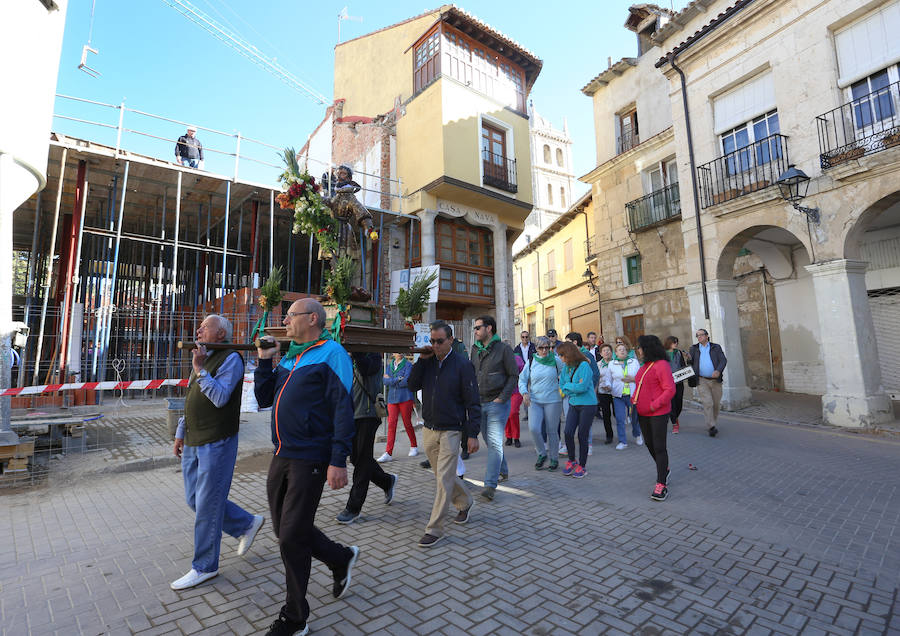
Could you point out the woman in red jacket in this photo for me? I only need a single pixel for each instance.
(653, 393)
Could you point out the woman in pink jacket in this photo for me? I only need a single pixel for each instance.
(653, 393)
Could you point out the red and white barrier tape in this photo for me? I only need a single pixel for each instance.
(93, 386)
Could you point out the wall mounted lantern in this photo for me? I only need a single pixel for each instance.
(793, 184)
(589, 278)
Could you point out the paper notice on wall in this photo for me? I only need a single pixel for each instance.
(423, 334)
(400, 279)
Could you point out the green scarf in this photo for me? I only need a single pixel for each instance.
(549, 359)
(670, 355)
(482, 347)
(394, 368)
(296, 349)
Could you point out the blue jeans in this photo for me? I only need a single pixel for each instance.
(207, 473)
(625, 412)
(188, 163)
(493, 428)
(538, 417)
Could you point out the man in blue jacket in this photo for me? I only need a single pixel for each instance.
(312, 430)
(450, 408)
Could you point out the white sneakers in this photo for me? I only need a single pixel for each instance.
(384, 458)
(621, 446)
(413, 452)
(248, 537)
(192, 579)
(640, 440)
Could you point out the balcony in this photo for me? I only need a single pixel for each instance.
(550, 280)
(626, 141)
(591, 248)
(499, 171)
(744, 171)
(654, 208)
(867, 125)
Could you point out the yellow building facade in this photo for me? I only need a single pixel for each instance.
(551, 289)
(443, 96)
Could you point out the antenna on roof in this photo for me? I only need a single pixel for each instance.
(83, 66)
(344, 15)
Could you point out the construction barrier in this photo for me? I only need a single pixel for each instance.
(93, 386)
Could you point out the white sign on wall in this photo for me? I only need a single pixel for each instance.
(423, 334)
(400, 279)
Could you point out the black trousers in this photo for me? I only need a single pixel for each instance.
(677, 402)
(604, 409)
(294, 488)
(654, 429)
(365, 468)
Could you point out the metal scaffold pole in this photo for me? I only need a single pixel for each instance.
(48, 274)
(110, 294)
(171, 347)
(225, 247)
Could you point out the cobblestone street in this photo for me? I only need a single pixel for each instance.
(781, 529)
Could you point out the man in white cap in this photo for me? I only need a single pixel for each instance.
(189, 150)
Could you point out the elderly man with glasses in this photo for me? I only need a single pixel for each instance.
(312, 430)
(451, 409)
(708, 361)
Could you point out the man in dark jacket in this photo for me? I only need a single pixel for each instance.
(367, 384)
(708, 361)
(189, 150)
(451, 409)
(525, 349)
(207, 443)
(312, 429)
(498, 375)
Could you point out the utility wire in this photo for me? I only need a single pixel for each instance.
(246, 49)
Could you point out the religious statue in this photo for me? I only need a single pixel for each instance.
(352, 217)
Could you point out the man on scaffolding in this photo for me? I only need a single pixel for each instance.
(189, 150)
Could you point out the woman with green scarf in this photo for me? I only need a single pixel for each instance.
(539, 386)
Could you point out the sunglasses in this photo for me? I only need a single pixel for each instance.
(539, 348)
(438, 341)
(477, 327)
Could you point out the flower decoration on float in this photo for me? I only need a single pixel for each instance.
(301, 193)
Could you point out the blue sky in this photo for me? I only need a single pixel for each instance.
(159, 62)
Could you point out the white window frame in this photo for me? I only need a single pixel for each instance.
(875, 125)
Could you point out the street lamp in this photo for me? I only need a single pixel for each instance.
(589, 278)
(793, 184)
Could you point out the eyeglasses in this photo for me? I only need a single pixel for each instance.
(438, 341)
(477, 327)
(539, 348)
(294, 314)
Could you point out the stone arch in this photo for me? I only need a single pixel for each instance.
(766, 239)
(861, 221)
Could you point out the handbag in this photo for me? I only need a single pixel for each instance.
(377, 402)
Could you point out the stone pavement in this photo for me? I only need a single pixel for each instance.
(780, 530)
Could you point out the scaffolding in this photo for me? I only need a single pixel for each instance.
(123, 254)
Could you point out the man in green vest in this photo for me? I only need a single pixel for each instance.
(207, 443)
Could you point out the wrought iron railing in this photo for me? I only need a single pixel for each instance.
(626, 141)
(866, 125)
(743, 171)
(499, 171)
(656, 207)
(550, 279)
(591, 248)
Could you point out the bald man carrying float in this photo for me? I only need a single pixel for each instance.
(312, 430)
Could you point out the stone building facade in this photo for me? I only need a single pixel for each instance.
(636, 251)
(771, 84)
(552, 176)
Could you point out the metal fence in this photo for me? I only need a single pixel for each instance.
(499, 171)
(866, 125)
(656, 207)
(743, 171)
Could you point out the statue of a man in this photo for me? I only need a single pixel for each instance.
(352, 216)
